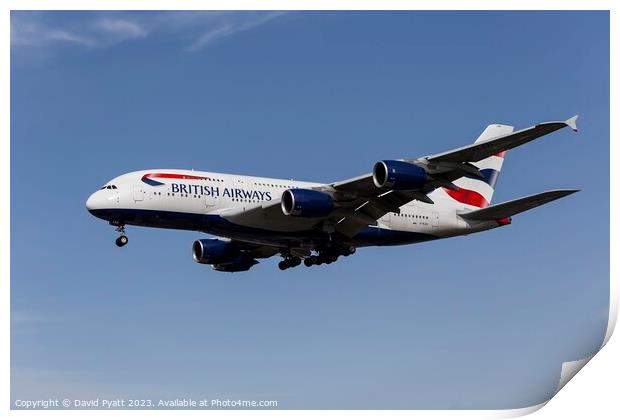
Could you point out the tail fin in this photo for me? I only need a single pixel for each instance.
(479, 192)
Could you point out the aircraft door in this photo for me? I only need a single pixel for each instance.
(138, 193)
(435, 219)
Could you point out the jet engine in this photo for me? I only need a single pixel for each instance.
(306, 203)
(398, 175)
(214, 251)
(222, 255)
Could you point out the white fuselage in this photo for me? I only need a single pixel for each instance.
(221, 204)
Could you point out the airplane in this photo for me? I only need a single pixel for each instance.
(404, 201)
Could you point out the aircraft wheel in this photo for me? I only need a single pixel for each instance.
(308, 262)
(121, 241)
(282, 265)
(295, 261)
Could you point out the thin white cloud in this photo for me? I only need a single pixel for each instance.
(121, 28)
(223, 29)
(106, 29)
(64, 36)
(36, 34)
(211, 35)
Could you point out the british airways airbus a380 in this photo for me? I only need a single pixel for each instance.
(400, 202)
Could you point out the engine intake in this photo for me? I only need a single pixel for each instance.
(398, 175)
(306, 203)
(214, 251)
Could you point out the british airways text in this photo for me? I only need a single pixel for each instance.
(225, 192)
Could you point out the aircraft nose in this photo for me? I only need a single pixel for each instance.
(91, 202)
(96, 201)
(100, 202)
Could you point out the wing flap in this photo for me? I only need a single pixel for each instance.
(519, 205)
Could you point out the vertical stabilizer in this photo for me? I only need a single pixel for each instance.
(479, 192)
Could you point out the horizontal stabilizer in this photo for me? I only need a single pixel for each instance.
(519, 205)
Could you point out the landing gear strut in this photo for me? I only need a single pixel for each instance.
(122, 239)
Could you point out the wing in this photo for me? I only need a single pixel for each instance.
(359, 202)
(367, 202)
(479, 151)
(268, 216)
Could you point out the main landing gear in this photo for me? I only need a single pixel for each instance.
(320, 259)
(122, 239)
(289, 262)
(326, 256)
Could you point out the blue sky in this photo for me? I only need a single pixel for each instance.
(483, 321)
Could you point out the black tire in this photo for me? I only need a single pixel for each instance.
(308, 262)
(282, 265)
(121, 241)
(295, 261)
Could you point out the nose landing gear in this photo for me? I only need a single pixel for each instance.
(122, 239)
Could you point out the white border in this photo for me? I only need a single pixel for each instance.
(595, 391)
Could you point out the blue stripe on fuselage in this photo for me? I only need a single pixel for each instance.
(217, 225)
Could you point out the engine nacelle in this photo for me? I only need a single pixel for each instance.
(398, 175)
(240, 263)
(214, 251)
(306, 203)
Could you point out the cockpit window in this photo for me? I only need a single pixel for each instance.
(109, 187)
